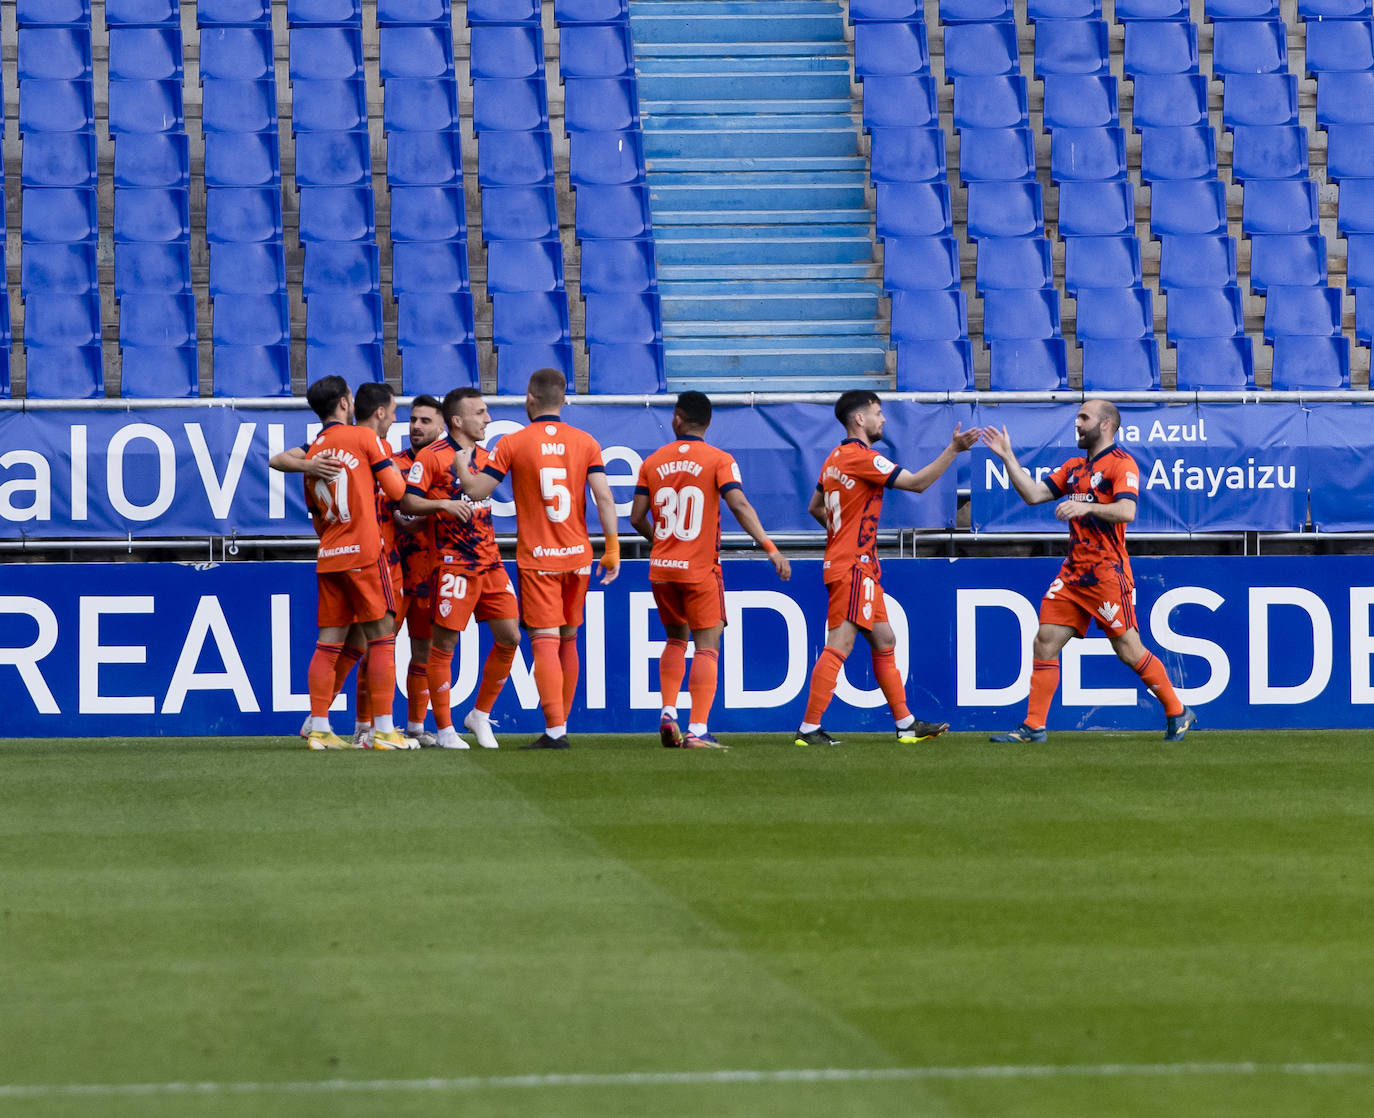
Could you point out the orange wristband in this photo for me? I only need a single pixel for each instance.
(610, 555)
(769, 547)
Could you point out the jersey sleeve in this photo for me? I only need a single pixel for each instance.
(1058, 481)
(595, 464)
(642, 480)
(1125, 477)
(727, 473)
(418, 480)
(498, 461)
(873, 467)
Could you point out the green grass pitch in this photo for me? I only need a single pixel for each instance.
(1104, 925)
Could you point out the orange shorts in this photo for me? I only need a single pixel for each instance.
(457, 597)
(549, 599)
(364, 594)
(416, 613)
(857, 598)
(698, 605)
(1111, 603)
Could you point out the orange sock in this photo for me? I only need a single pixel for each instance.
(572, 666)
(672, 666)
(548, 677)
(320, 678)
(439, 676)
(823, 678)
(364, 698)
(495, 672)
(1157, 680)
(1044, 681)
(381, 675)
(890, 680)
(417, 691)
(702, 684)
(348, 656)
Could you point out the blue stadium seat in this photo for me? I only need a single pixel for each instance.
(1164, 47)
(912, 209)
(238, 158)
(1101, 262)
(608, 266)
(615, 212)
(980, 48)
(157, 269)
(248, 269)
(632, 368)
(1130, 11)
(229, 105)
(1062, 9)
(1302, 310)
(324, 54)
(1080, 101)
(592, 51)
(1196, 260)
(594, 105)
(1214, 363)
(503, 11)
(989, 101)
(607, 157)
(57, 214)
(429, 266)
(422, 105)
(154, 159)
(147, 53)
(1178, 153)
(425, 318)
(1359, 261)
(146, 106)
(52, 13)
(337, 213)
(1221, 10)
(909, 263)
(1339, 45)
(1096, 209)
(1013, 262)
(351, 268)
(532, 265)
(905, 155)
(430, 213)
(1345, 98)
(1311, 363)
(962, 11)
(357, 364)
(416, 52)
(1250, 47)
(868, 11)
(343, 319)
(1169, 101)
(1260, 99)
(159, 371)
(1120, 364)
(323, 11)
(514, 158)
(239, 53)
(62, 320)
(165, 13)
(1348, 152)
(1354, 208)
(328, 104)
(243, 12)
(1027, 364)
(1107, 313)
(156, 319)
(1286, 259)
(1087, 154)
(1279, 206)
(620, 319)
(1021, 314)
(1364, 315)
(515, 363)
(437, 369)
(56, 106)
(240, 214)
(147, 214)
(333, 159)
(614, 11)
(996, 155)
(529, 317)
(1005, 209)
(890, 48)
(1204, 312)
(423, 159)
(520, 104)
(58, 159)
(63, 372)
(1071, 46)
(55, 53)
(1269, 151)
(929, 315)
(1335, 9)
(413, 11)
(899, 101)
(65, 269)
(935, 366)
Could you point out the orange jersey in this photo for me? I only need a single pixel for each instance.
(416, 549)
(548, 463)
(852, 483)
(1096, 547)
(344, 508)
(684, 482)
(469, 545)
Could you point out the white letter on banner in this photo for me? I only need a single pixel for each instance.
(594, 665)
(283, 699)
(276, 481)
(495, 430)
(221, 495)
(967, 604)
(209, 619)
(846, 692)
(736, 602)
(642, 650)
(1171, 641)
(620, 480)
(92, 654)
(1361, 644)
(1261, 598)
(40, 485)
(26, 659)
(166, 475)
(521, 677)
(80, 467)
(1074, 694)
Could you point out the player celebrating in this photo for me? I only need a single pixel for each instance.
(468, 579)
(847, 501)
(684, 482)
(551, 466)
(1100, 488)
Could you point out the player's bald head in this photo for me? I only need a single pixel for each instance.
(1105, 409)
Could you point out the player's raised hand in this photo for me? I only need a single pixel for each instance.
(780, 564)
(324, 465)
(999, 442)
(961, 440)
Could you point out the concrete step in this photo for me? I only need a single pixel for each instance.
(822, 253)
(819, 330)
(759, 270)
(809, 143)
(819, 106)
(726, 78)
(853, 164)
(747, 218)
(783, 361)
(733, 29)
(759, 307)
(782, 196)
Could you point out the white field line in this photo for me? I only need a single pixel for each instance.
(677, 1078)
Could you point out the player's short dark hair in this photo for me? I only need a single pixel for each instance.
(856, 399)
(548, 387)
(695, 408)
(425, 400)
(371, 395)
(324, 395)
(455, 398)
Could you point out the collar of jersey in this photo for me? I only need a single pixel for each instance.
(333, 423)
(547, 419)
(856, 442)
(1102, 453)
(691, 439)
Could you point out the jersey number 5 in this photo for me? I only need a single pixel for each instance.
(557, 497)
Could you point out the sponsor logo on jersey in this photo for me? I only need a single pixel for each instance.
(542, 552)
(345, 549)
(883, 464)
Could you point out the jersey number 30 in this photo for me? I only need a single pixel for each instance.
(678, 512)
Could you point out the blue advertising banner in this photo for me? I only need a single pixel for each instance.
(186, 649)
(1342, 473)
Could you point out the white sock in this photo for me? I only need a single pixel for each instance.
(669, 712)
(480, 715)
(557, 731)
(807, 727)
(383, 723)
(414, 728)
(697, 728)
(909, 720)
(319, 725)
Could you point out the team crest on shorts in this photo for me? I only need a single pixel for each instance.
(445, 608)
